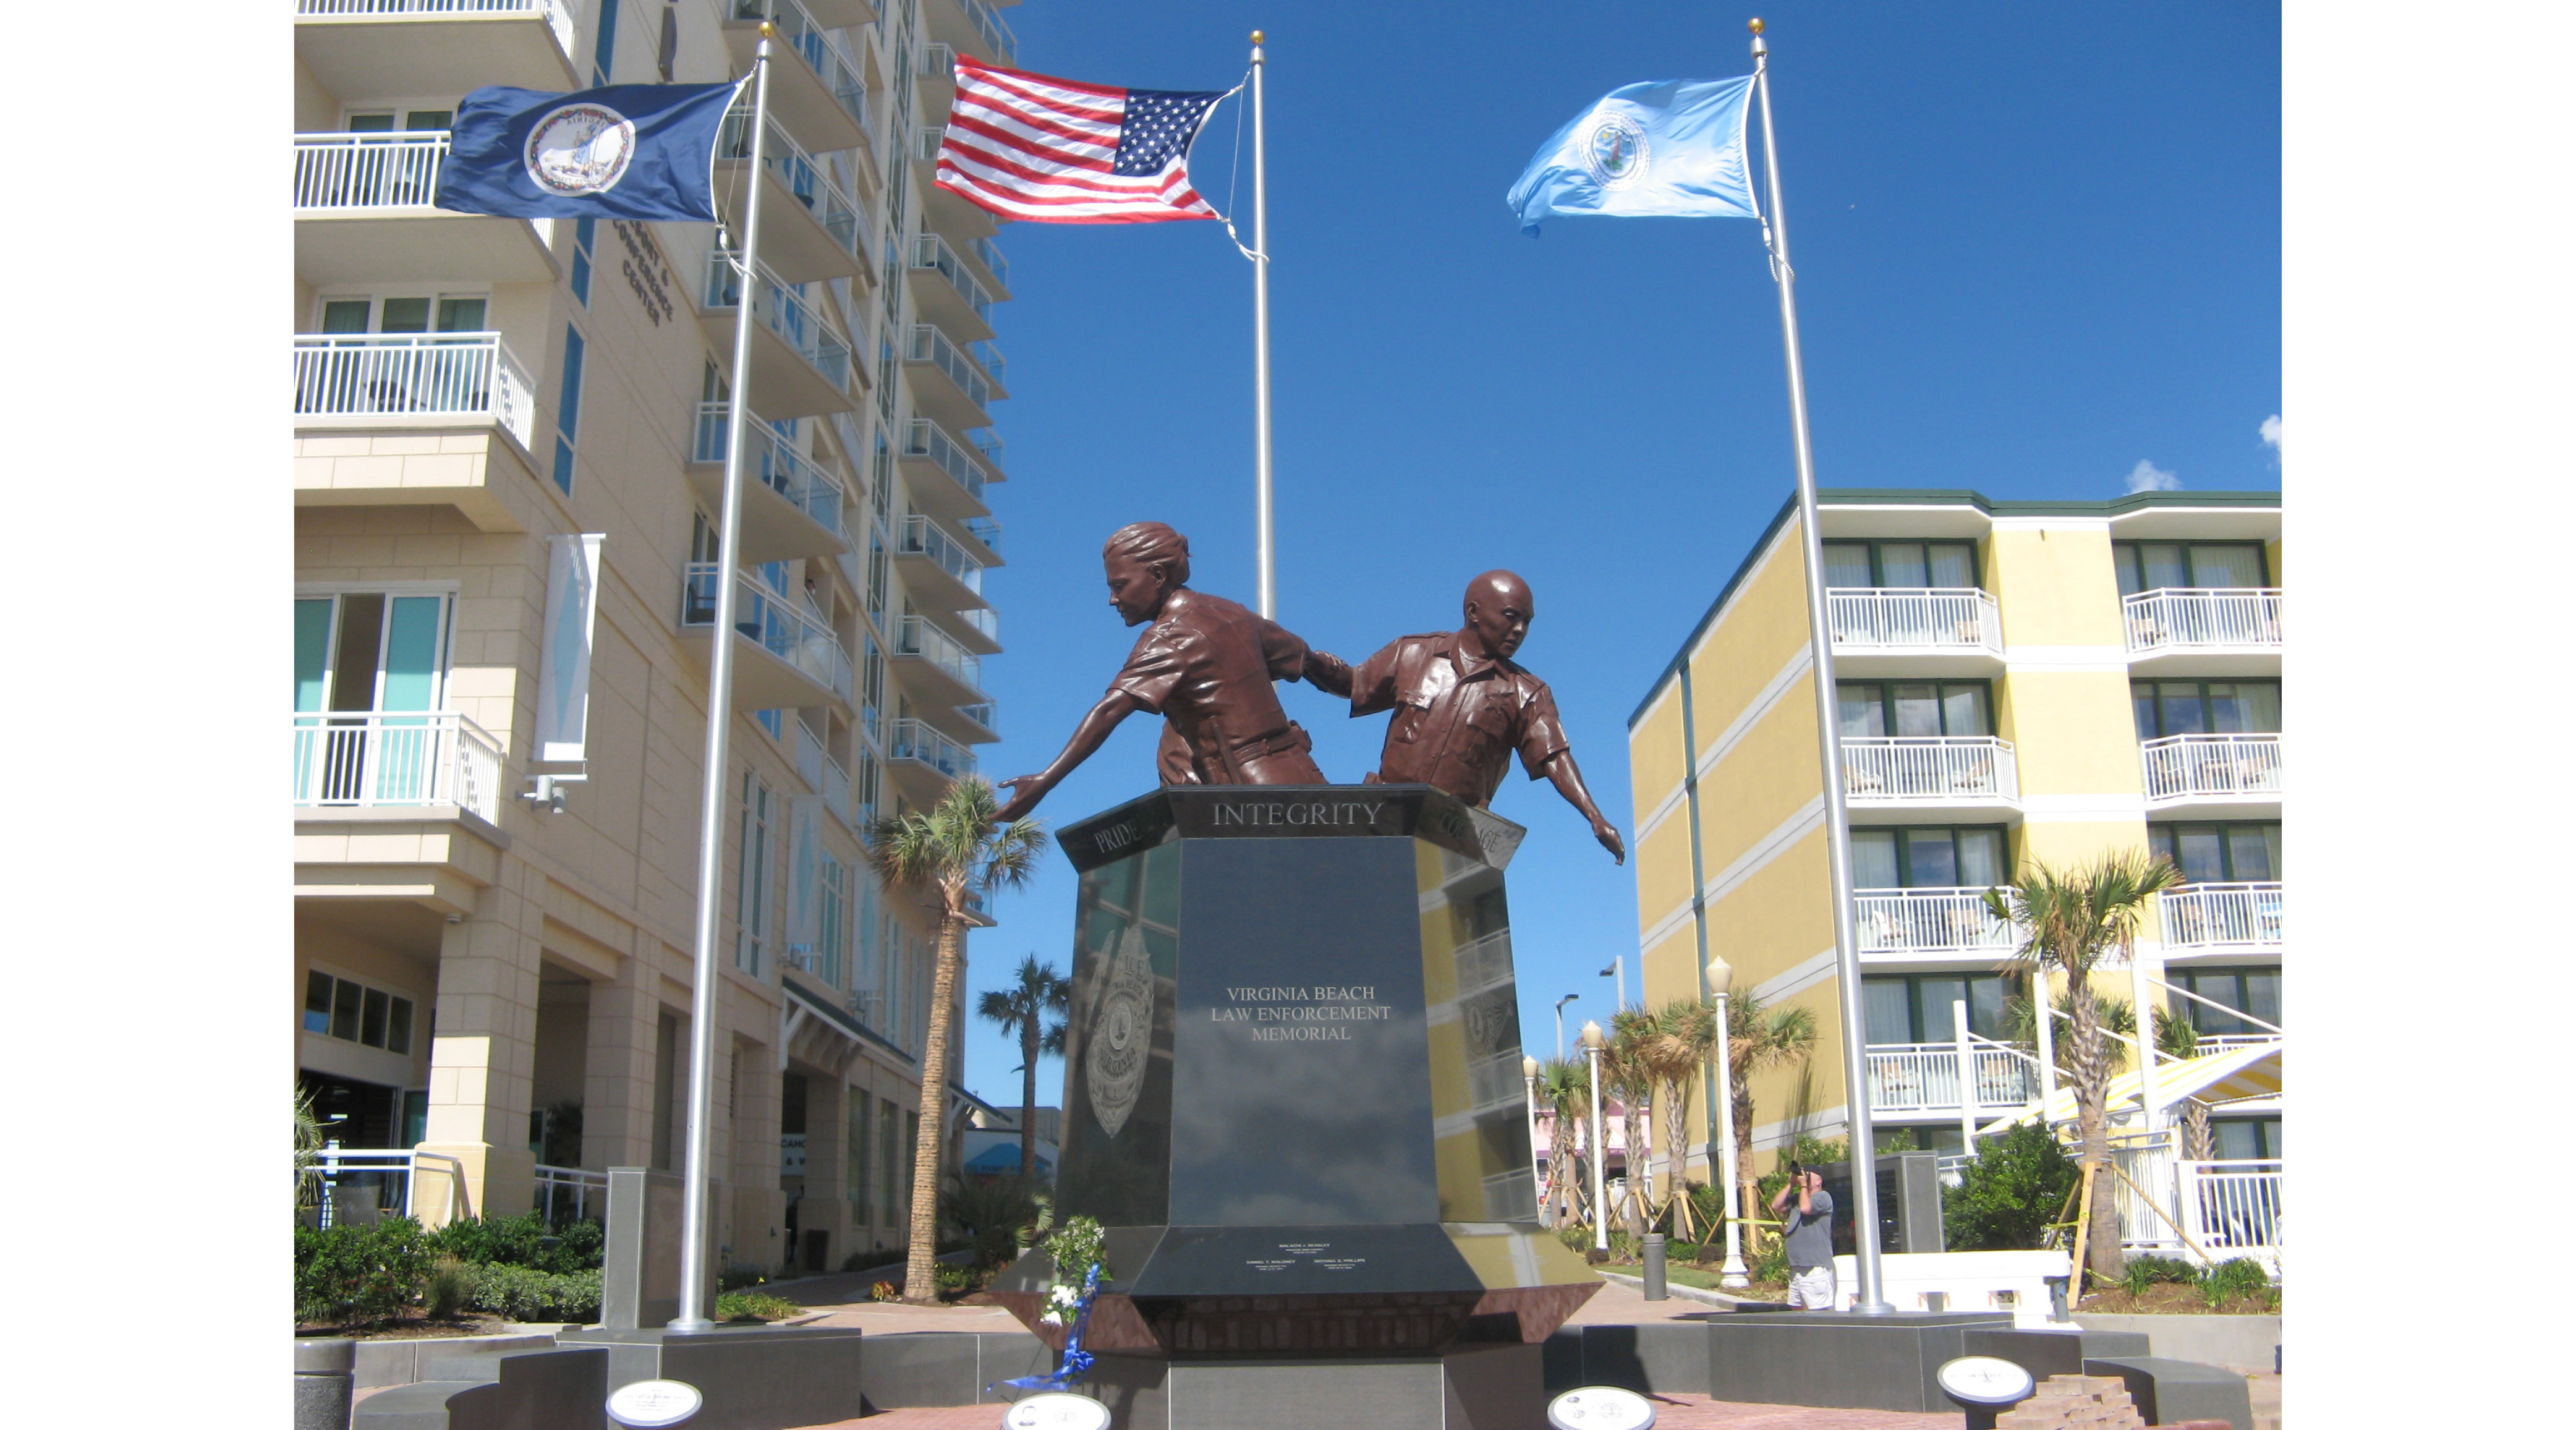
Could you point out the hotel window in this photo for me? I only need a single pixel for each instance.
(1901, 564)
(1915, 1008)
(2246, 1139)
(352, 1012)
(2254, 991)
(1913, 707)
(568, 409)
(2220, 853)
(857, 1154)
(2188, 565)
(603, 62)
(582, 231)
(835, 919)
(1936, 857)
(403, 313)
(2205, 707)
(751, 892)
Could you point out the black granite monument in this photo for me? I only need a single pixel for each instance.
(1294, 1100)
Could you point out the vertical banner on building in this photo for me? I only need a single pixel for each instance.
(563, 667)
(805, 876)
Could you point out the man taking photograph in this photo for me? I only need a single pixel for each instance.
(1809, 1234)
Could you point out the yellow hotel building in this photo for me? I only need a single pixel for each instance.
(2017, 681)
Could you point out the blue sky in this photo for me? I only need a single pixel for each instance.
(2034, 253)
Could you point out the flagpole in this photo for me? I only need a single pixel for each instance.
(696, 1214)
(1864, 1163)
(1261, 340)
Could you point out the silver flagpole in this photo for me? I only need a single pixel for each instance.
(1261, 338)
(1864, 1163)
(696, 1213)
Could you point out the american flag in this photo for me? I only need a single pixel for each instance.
(1030, 146)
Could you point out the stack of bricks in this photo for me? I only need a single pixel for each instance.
(2075, 1402)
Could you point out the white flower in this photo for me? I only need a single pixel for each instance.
(1050, 1319)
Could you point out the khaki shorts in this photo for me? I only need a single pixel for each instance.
(1812, 1289)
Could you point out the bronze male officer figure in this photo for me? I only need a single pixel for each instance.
(1462, 708)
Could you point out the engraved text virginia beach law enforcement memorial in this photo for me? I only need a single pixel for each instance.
(1293, 1014)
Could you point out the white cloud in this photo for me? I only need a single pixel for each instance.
(2272, 431)
(2146, 476)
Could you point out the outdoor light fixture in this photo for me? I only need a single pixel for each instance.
(1560, 1021)
(1538, 1188)
(1600, 1146)
(1721, 976)
(546, 792)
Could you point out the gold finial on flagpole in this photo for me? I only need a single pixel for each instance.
(768, 31)
(1256, 37)
(1755, 24)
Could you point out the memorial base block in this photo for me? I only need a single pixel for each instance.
(1469, 1387)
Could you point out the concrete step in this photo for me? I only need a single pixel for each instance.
(421, 1405)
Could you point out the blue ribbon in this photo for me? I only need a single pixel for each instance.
(1077, 1361)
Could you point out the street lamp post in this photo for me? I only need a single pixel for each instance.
(1529, 1081)
(1731, 1276)
(1600, 1147)
(1560, 1023)
(1617, 973)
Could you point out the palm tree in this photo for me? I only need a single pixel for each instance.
(1759, 1036)
(955, 853)
(1022, 1011)
(1564, 1089)
(2073, 921)
(1685, 1037)
(1627, 1076)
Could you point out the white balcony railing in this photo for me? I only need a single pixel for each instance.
(784, 311)
(1929, 769)
(2213, 915)
(1002, 46)
(2237, 618)
(916, 741)
(389, 1179)
(567, 1194)
(2211, 766)
(1931, 619)
(336, 172)
(556, 14)
(985, 530)
(399, 376)
(930, 345)
(1924, 1077)
(808, 181)
(930, 252)
(994, 263)
(807, 37)
(917, 639)
(921, 537)
(922, 438)
(774, 462)
(364, 758)
(2231, 1208)
(773, 622)
(1930, 921)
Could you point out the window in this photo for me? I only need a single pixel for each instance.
(1938, 857)
(835, 919)
(582, 230)
(1915, 1008)
(404, 313)
(568, 411)
(2246, 1139)
(751, 893)
(2220, 853)
(355, 1013)
(890, 1159)
(857, 1154)
(2255, 991)
(1901, 564)
(414, 121)
(1912, 708)
(2205, 707)
(603, 55)
(366, 651)
(2204, 565)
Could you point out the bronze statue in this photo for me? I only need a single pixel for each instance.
(1205, 664)
(1462, 707)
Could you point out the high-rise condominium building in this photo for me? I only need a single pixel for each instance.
(510, 439)
(2016, 682)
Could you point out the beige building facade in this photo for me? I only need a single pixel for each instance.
(509, 442)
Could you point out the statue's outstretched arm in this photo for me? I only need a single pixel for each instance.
(1563, 773)
(1027, 790)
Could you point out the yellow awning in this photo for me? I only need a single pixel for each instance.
(2251, 1071)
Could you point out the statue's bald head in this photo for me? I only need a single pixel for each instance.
(1498, 609)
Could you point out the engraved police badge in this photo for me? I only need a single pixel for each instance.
(1114, 1061)
(1615, 150)
(579, 149)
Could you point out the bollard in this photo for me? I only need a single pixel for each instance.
(325, 1381)
(1654, 1266)
(2057, 1300)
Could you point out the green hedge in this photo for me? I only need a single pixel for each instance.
(359, 1273)
(521, 1241)
(522, 1293)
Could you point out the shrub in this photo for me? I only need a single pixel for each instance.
(450, 1283)
(2234, 1277)
(949, 1276)
(523, 1293)
(367, 1272)
(885, 1291)
(735, 1278)
(989, 1213)
(1682, 1251)
(1621, 1244)
(2141, 1272)
(755, 1306)
(1772, 1264)
(2009, 1193)
(1576, 1238)
(1708, 1204)
(524, 1241)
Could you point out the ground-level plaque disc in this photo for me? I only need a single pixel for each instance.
(1984, 1380)
(1056, 1410)
(651, 1404)
(1601, 1407)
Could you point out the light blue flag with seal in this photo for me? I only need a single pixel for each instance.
(1669, 148)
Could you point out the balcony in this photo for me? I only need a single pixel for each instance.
(1941, 923)
(2222, 918)
(1931, 631)
(2243, 771)
(945, 291)
(941, 672)
(789, 507)
(983, 531)
(362, 759)
(363, 214)
(2215, 631)
(810, 229)
(982, 723)
(1924, 1077)
(1916, 772)
(818, 91)
(947, 385)
(945, 476)
(996, 267)
(843, 14)
(923, 761)
(983, 35)
(798, 368)
(937, 570)
(824, 776)
(787, 659)
(361, 48)
(415, 419)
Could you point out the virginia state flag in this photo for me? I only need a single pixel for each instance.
(635, 151)
(1672, 148)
